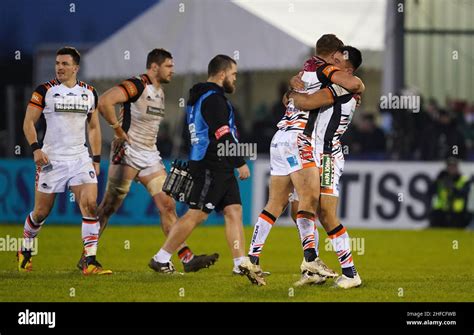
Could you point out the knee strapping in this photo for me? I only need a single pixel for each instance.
(155, 185)
(118, 188)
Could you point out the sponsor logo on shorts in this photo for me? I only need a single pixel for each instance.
(292, 160)
(92, 174)
(326, 176)
(45, 186)
(209, 206)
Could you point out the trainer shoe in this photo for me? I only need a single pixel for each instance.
(317, 266)
(253, 272)
(82, 261)
(308, 278)
(199, 262)
(24, 261)
(348, 282)
(93, 267)
(236, 271)
(167, 268)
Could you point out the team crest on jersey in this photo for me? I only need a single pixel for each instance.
(85, 97)
(92, 174)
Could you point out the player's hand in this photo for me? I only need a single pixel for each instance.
(244, 172)
(296, 83)
(40, 157)
(121, 136)
(358, 99)
(96, 168)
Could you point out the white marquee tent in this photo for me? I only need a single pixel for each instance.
(260, 34)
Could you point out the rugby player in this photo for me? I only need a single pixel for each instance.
(292, 164)
(63, 161)
(134, 155)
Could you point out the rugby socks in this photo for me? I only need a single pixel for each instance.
(316, 236)
(305, 224)
(341, 245)
(260, 233)
(90, 235)
(30, 231)
(162, 256)
(185, 255)
(237, 262)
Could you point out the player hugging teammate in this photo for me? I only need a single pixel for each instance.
(307, 140)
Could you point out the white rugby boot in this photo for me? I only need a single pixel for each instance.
(347, 282)
(318, 267)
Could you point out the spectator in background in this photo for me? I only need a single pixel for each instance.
(449, 194)
(442, 138)
(466, 127)
(366, 139)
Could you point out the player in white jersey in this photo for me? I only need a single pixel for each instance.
(292, 164)
(63, 161)
(331, 124)
(134, 155)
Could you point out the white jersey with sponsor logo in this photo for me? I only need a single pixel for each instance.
(143, 112)
(65, 110)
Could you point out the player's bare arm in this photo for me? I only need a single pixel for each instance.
(318, 99)
(348, 81)
(95, 139)
(107, 102)
(296, 83)
(32, 116)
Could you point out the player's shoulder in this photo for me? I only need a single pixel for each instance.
(313, 63)
(141, 79)
(44, 87)
(87, 86)
(135, 85)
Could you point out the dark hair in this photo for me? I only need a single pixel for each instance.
(353, 55)
(328, 44)
(218, 64)
(157, 56)
(76, 56)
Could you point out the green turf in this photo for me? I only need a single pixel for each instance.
(421, 263)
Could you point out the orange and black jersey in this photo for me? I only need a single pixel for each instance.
(316, 75)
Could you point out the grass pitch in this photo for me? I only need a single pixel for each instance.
(399, 266)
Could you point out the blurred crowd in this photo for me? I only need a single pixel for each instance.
(436, 131)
